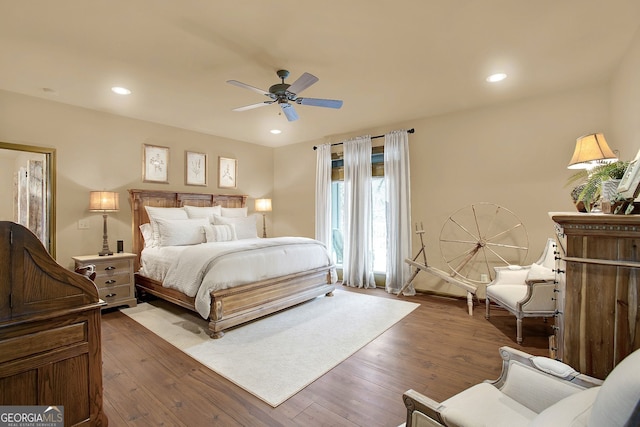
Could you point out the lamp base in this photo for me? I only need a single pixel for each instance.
(105, 239)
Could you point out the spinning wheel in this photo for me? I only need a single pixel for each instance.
(481, 236)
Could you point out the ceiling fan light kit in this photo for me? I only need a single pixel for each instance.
(285, 94)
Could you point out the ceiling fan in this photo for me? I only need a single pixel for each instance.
(285, 94)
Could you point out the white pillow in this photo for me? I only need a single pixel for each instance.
(538, 272)
(220, 233)
(245, 226)
(147, 235)
(179, 232)
(203, 211)
(155, 213)
(234, 212)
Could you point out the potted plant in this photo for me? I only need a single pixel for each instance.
(589, 192)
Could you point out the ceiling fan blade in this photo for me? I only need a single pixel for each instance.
(289, 111)
(246, 86)
(252, 106)
(316, 102)
(303, 82)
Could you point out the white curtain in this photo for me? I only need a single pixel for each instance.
(398, 189)
(323, 194)
(357, 263)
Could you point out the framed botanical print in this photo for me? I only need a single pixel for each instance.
(227, 172)
(155, 164)
(195, 168)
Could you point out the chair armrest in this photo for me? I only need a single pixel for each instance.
(415, 401)
(537, 382)
(540, 297)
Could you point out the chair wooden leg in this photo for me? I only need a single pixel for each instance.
(519, 330)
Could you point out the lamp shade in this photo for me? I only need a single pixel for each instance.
(104, 201)
(263, 205)
(591, 150)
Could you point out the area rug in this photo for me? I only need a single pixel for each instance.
(277, 356)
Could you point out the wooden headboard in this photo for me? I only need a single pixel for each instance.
(170, 199)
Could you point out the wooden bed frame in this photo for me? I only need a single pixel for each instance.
(237, 305)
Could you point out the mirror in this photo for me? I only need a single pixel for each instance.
(28, 189)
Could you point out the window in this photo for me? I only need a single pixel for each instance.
(378, 195)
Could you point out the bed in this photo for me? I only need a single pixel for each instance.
(237, 304)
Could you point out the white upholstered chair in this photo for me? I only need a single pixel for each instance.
(525, 291)
(537, 391)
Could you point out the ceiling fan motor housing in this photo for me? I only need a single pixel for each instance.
(279, 89)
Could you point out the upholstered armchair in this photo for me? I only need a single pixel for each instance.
(525, 291)
(536, 391)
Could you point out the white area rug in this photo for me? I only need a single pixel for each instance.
(276, 357)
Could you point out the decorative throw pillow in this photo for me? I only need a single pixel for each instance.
(180, 232)
(220, 233)
(203, 211)
(155, 213)
(245, 226)
(234, 212)
(538, 273)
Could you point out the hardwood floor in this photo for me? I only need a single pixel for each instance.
(437, 350)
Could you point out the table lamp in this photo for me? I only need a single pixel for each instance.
(591, 150)
(104, 201)
(263, 205)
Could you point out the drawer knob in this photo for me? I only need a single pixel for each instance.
(110, 295)
(110, 282)
(110, 268)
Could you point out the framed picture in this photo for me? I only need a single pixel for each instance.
(631, 179)
(227, 172)
(195, 168)
(155, 164)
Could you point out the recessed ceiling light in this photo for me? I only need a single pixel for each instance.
(275, 131)
(121, 90)
(493, 78)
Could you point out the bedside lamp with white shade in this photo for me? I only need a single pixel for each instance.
(263, 205)
(104, 201)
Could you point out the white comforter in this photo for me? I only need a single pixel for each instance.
(198, 270)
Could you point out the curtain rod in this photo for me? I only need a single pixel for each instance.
(412, 130)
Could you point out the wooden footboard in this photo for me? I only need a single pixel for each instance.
(235, 306)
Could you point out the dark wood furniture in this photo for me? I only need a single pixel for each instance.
(598, 321)
(50, 349)
(233, 306)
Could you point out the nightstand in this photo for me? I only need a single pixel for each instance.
(114, 277)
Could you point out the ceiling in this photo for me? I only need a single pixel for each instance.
(389, 62)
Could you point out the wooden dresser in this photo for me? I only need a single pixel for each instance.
(50, 350)
(598, 321)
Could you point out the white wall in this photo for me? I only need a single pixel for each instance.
(625, 103)
(100, 151)
(514, 155)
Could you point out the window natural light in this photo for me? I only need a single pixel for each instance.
(379, 229)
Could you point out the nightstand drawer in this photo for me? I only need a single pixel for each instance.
(112, 267)
(115, 278)
(111, 294)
